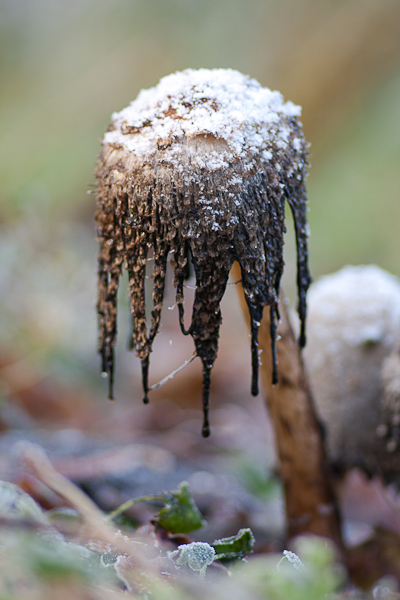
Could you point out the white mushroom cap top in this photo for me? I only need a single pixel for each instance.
(356, 305)
(221, 103)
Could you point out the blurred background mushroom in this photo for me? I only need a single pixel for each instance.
(353, 363)
(352, 358)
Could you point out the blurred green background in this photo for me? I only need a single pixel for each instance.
(65, 66)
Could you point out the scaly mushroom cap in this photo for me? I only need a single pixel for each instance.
(199, 166)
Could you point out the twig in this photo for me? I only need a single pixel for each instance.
(121, 509)
(35, 460)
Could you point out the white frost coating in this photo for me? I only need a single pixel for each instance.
(197, 555)
(222, 103)
(361, 302)
(293, 559)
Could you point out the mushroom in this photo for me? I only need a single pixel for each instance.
(199, 167)
(353, 361)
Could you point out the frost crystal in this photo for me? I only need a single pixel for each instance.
(190, 168)
(293, 559)
(196, 555)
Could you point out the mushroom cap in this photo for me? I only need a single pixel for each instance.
(211, 133)
(200, 166)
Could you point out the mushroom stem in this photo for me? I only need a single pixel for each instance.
(311, 506)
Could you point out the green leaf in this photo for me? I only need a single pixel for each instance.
(180, 513)
(234, 547)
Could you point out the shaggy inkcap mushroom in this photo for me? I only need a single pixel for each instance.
(353, 362)
(199, 166)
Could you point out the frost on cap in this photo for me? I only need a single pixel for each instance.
(222, 103)
(199, 166)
